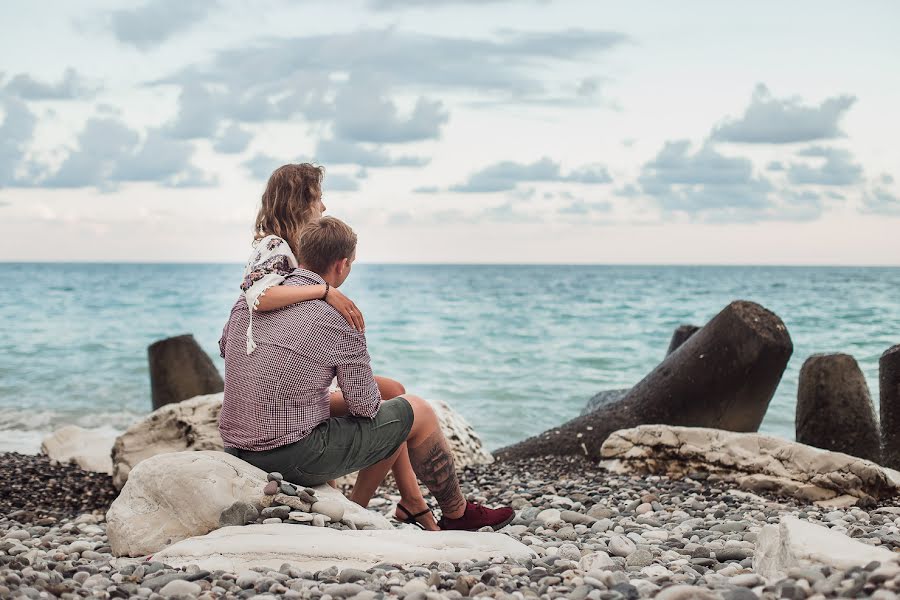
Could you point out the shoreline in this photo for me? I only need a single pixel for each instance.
(597, 535)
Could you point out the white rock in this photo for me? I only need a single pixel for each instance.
(189, 425)
(753, 461)
(619, 545)
(314, 548)
(795, 543)
(549, 515)
(180, 587)
(331, 509)
(177, 495)
(88, 448)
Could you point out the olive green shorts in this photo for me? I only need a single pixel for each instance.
(338, 446)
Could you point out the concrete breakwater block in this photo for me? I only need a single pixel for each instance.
(723, 376)
(834, 408)
(180, 369)
(795, 543)
(889, 388)
(236, 549)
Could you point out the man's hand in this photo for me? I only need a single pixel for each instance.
(347, 308)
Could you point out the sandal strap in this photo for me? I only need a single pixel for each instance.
(410, 517)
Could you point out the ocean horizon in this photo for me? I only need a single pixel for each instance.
(515, 348)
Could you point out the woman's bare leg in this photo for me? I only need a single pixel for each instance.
(369, 479)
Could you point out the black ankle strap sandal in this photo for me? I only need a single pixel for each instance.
(411, 518)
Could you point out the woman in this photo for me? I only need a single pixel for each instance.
(293, 198)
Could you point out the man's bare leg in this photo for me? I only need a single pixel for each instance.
(431, 459)
(369, 479)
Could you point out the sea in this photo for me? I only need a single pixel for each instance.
(516, 349)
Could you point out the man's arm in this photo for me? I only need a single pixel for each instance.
(354, 373)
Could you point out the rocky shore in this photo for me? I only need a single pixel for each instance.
(595, 535)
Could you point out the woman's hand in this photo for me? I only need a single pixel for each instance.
(347, 308)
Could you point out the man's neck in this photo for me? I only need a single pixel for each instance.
(330, 278)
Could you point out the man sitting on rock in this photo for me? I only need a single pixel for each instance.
(276, 412)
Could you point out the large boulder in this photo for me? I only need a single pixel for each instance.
(796, 544)
(756, 462)
(235, 549)
(889, 390)
(177, 495)
(194, 425)
(87, 448)
(189, 425)
(834, 408)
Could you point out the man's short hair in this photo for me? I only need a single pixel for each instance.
(324, 242)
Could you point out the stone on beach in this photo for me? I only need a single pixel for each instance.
(174, 496)
(239, 548)
(189, 425)
(723, 376)
(180, 369)
(754, 461)
(889, 390)
(89, 449)
(834, 408)
(796, 544)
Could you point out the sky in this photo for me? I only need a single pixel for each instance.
(456, 131)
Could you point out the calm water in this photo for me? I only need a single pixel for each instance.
(516, 349)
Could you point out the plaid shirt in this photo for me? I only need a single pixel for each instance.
(279, 393)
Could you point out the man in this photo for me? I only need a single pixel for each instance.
(276, 412)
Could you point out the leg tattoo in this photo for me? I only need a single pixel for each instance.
(433, 463)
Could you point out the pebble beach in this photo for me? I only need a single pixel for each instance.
(596, 535)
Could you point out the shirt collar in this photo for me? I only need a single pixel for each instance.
(307, 276)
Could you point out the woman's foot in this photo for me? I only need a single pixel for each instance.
(419, 513)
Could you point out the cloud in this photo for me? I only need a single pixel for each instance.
(771, 120)
(880, 201)
(337, 151)
(16, 132)
(426, 189)
(260, 166)
(154, 22)
(580, 208)
(363, 114)
(705, 185)
(340, 183)
(234, 139)
(108, 152)
(775, 165)
(838, 168)
(72, 86)
(197, 116)
(887, 179)
(401, 4)
(504, 176)
(282, 78)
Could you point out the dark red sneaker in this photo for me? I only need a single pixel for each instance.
(476, 516)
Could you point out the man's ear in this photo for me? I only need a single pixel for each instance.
(342, 266)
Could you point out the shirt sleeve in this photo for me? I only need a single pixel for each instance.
(354, 373)
(271, 261)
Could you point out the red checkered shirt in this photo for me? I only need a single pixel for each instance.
(279, 393)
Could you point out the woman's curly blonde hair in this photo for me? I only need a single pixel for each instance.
(287, 203)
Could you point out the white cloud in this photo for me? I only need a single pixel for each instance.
(770, 120)
(837, 169)
(155, 21)
(504, 176)
(72, 86)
